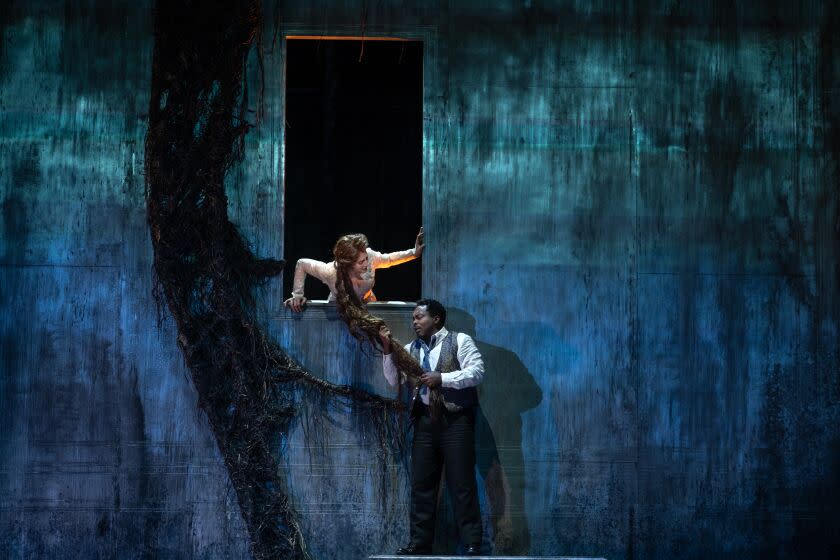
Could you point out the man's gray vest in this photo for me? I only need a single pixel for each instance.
(454, 399)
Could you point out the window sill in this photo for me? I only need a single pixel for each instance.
(319, 309)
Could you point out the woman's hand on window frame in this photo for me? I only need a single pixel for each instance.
(296, 303)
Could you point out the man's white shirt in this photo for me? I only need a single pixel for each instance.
(470, 374)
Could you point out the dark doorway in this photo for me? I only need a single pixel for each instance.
(353, 156)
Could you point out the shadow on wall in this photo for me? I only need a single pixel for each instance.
(508, 390)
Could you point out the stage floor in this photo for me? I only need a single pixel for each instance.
(429, 557)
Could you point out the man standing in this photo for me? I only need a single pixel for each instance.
(452, 362)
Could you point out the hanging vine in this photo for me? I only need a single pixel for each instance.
(205, 274)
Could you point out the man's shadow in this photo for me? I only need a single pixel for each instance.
(507, 390)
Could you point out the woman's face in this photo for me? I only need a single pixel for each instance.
(361, 263)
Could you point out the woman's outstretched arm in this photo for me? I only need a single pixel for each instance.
(325, 272)
(387, 260)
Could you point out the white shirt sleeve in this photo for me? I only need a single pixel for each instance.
(387, 260)
(325, 272)
(389, 368)
(472, 366)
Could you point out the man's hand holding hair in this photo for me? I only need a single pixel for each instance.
(385, 339)
(431, 379)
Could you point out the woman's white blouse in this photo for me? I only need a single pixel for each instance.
(326, 272)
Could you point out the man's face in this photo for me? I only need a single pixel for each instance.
(361, 263)
(424, 324)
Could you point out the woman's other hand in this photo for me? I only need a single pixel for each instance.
(296, 303)
(419, 244)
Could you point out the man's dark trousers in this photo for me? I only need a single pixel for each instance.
(447, 443)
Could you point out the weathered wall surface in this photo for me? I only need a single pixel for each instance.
(104, 451)
(633, 208)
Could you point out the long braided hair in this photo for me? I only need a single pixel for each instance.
(363, 325)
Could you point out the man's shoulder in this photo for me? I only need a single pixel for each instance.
(464, 338)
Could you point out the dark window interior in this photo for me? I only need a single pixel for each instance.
(353, 155)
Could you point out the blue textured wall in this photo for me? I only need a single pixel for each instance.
(633, 207)
(104, 451)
